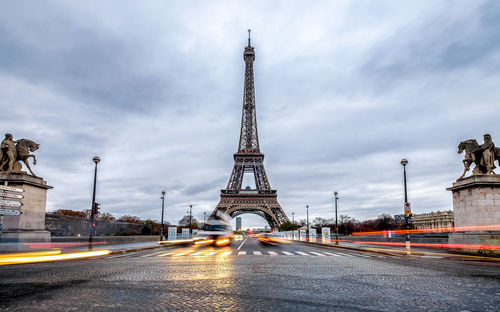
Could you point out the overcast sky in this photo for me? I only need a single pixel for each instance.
(344, 91)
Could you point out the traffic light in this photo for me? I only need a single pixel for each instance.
(96, 208)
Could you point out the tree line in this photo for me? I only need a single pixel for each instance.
(346, 224)
(150, 227)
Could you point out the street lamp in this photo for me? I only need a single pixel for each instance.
(96, 160)
(162, 231)
(336, 222)
(407, 211)
(204, 216)
(293, 217)
(307, 207)
(190, 217)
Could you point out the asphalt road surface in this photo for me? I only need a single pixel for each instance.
(249, 276)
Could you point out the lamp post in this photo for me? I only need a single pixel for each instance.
(336, 222)
(307, 208)
(293, 217)
(404, 162)
(162, 231)
(93, 208)
(204, 216)
(190, 217)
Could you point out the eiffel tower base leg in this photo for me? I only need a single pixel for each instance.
(264, 206)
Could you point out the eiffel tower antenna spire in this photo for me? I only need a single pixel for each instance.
(249, 139)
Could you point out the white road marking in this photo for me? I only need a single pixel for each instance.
(317, 253)
(273, 253)
(227, 253)
(257, 253)
(242, 253)
(119, 256)
(211, 253)
(242, 243)
(197, 253)
(302, 253)
(151, 255)
(182, 253)
(165, 254)
(288, 253)
(365, 256)
(332, 254)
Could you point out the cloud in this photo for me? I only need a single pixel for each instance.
(344, 91)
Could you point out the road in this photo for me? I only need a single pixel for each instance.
(248, 276)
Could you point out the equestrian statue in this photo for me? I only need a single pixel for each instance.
(12, 152)
(483, 156)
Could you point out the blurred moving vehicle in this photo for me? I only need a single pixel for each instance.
(215, 232)
(271, 239)
(238, 237)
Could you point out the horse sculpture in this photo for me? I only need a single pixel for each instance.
(473, 154)
(23, 149)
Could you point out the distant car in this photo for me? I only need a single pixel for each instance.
(215, 232)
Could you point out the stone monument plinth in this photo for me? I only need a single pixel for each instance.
(476, 205)
(30, 225)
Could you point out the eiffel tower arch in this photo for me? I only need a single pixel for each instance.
(261, 200)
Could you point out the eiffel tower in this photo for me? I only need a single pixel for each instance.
(261, 200)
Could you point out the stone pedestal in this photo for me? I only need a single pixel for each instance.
(476, 205)
(30, 225)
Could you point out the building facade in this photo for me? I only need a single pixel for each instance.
(434, 220)
(238, 223)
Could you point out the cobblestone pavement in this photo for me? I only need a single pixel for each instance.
(251, 277)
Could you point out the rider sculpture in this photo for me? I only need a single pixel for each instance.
(483, 156)
(11, 152)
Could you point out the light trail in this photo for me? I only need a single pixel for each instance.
(495, 227)
(50, 258)
(176, 241)
(434, 245)
(223, 242)
(31, 254)
(60, 245)
(204, 242)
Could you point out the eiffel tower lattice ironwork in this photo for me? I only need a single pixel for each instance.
(262, 200)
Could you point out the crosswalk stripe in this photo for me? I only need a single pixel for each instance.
(317, 253)
(302, 253)
(242, 253)
(197, 253)
(119, 256)
(182, 254)
(346, 255)
(273, 253)
(257, 253)
(151, 255)
(331, 254)
(211, 253)
(227, 253)
(165, 254)
(288, 253)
